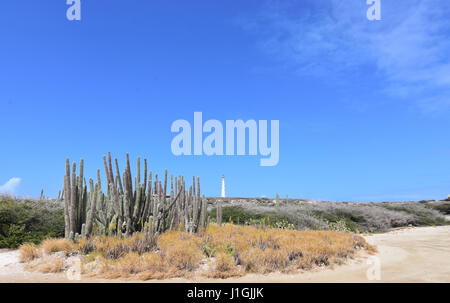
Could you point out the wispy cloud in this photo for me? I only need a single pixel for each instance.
(11, 186)
(409, 49)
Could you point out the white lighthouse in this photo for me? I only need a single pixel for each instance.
(223, 187)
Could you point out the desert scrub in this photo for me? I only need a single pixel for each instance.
(176, 255)
(47, 264)
(29, 221)
(422, 214)
(243, 216)
(182, 250)
(342, 226)
(114, 247)
(91, 257)
(443, 207)
(271, 249)
(29, 252)
(132, 265)
(53, 245)
(283, 224)
(216, 252)
(348, 217)
(224, 267)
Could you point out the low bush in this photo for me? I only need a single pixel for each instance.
(52, 245)
(345, 217)
(225, 267)
(47, 264)
(115, 248)
(241, 216)
(29, 252)
(423, 215)
(181, 249)
(28, 222)
(442, 207)
(264, 216)
(267, 250)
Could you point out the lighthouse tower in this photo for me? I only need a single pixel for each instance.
(223, 187)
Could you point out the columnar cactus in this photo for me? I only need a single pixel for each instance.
(219, 213)
(204, 213)
(125, 209)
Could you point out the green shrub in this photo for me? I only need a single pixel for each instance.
(343, 225)
(241, 216)
(442, 207)
(28, 221)
(424, 216)
(341, 220)
(355, 217)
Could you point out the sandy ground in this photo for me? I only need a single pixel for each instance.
(12, 271)
(405, 255)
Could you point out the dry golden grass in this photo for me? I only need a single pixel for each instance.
(29, 252)
(47, 264)
(230, 250)
(225, 267)
(56, 245)
(235, 250)
(181, 249)
(271, 249)
(146, 266)
(113, 247)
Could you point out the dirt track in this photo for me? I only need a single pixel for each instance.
(406, 255)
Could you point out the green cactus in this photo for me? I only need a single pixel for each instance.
(219, 213)
(125, 209)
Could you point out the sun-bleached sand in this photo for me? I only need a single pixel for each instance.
(12, 271)
(404, 255)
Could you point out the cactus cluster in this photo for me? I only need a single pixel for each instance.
(125, 209)
(42, 197)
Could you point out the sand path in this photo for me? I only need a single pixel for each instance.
(405, 255)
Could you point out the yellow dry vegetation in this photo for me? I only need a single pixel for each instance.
(28, 252)
(47, 264)
(53, 245)
(226, 251)
(268, 250)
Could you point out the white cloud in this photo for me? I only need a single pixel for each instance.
(409, 49)
(11, 186)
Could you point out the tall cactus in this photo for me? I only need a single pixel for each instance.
(204, 213)
(125, 209)
(67, 193)
(219, 213)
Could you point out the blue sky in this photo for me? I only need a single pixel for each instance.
(363, 106)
